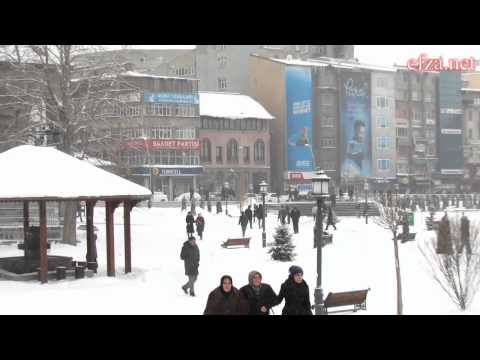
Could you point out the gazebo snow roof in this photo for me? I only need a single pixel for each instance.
(45, 173)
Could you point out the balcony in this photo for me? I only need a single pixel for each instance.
(403, 141)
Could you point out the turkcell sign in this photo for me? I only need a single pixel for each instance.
(159, 171)
(177, 98)
(450, 130)
(298, 82)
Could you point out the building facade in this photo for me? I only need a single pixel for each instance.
(306, 52)
(471, 137)
(157, 132)
(235, 137)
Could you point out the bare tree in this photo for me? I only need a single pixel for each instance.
(64, 92)
(390, 219)
(458, 272)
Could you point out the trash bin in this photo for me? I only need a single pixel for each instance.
(411, 218)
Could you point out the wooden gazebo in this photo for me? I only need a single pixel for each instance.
(41, 174)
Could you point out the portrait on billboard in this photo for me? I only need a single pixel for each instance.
(356, 125)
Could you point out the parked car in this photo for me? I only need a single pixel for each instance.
(196, 196)
(271, 198)
(159, 197)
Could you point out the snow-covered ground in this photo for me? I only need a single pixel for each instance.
(360, 257)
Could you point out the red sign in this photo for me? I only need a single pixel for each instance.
(173, 144)
(424, 63)
(295, 176)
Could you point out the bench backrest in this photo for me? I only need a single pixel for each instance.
(241, 241)
(346, 298)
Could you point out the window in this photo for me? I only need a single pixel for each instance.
(416, 115)
(427, 97)
(470, 133)
(382, 82)
(328, 121)
(221, 47)
(185, 133)
(383, 164)
(383, 142)
(327, 142)
(259, 151)
(206, 153)
(469, 115)
(222, 83)
(232, 151)
(184, 71)
(382, 102)
(222, 62)
(382, 122)
(327, 99)
(415, 95)
(476, 101)
(219, 155)
(402, 132)
(246, 154)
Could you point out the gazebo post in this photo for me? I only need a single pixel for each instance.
(26, 224)
(127, 208)
(91, 243)
(43, 242)
(110, 207)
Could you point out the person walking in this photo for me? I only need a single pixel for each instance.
(200, 222)
(243, 222)
(184, 204)
(255, 212)
(260, 215)
(282, 215)
(295, 215)
(333, 200)
(287, 211)
(226, 300)
(249, 215)
(465, 234)
(219, 207)
(190, 254)
(193, 207)
(296, 293)
(258, 295)
(331, 219)
(190, 220)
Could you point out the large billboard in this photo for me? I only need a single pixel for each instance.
(299, 119)
(355, 120)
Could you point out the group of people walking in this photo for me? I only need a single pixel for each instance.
(199, 222)
(285, 215)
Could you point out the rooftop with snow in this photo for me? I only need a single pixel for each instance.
(231, 106)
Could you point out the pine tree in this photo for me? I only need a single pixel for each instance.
(282, 249)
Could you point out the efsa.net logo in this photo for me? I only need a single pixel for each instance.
(424, 63)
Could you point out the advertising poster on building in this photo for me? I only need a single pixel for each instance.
(299, 119)
(355, 130)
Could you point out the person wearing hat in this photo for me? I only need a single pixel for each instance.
(190, 254)
(259, 296)
(296, 293)
(226, 300)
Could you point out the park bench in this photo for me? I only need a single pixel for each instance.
(237, 242)
(357, 299)
(406, 237)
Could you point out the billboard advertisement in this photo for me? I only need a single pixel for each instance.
(355, 129)
(151, 97)
(299, 119)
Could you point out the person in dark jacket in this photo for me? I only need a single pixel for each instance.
(331, 218)
(249, 215)
(258, 295)
(260, 215)
(243, 222)
(287, 209)
(255, 212)
(226, 300)
(190, 254)
(190, 220)
(295, 215)
(465, 234)
(184, 204)
(296, 293)
(219, 207)
(333, 200)
(200, 222)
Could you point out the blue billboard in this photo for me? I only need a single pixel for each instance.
(299, 119)
(355, 120)
(178, 98)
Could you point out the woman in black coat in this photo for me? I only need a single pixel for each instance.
(259, 296)
(296, 293)
(190, 220)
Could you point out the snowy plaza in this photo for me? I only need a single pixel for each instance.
(360, 257)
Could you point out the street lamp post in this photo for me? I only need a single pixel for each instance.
(366, 201)
(226, 186)
(320, 191)
(263, 191)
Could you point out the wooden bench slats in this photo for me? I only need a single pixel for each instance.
(237, 242)
(356, 298)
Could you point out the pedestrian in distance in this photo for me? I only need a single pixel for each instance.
(255, 212)
(282, 215)
(249, 215)
(184, 204)
(243, 222)
(193, 208)
(190, 254)
(258, 295)
(190, 220)
(202, 204)
(260, 212)
(296, 293)
(331, 219)
(192, 195)
(209, 206)
(200, 222)
(465, 234)
(287, 211)
(219, 207)
(295, 215)
(333, 200)
(226, 300)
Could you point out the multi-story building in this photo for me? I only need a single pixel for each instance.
(308, 51)
(235, 136)
(157, 128)
(471, 137)
(416, 122)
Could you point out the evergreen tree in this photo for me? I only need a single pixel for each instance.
(282, 249)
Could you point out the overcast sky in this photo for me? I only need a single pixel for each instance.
(383, 54)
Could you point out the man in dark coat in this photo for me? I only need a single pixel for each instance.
(226, 300)
(255, 212)
(282, 214)
(296, 293)
(190, 220)
(444, 239)
(219, 207)
(243, 222)
(190, 254)
(200, 222)
(260, 215)
(465, 234)
(333, 200)
(295, 215)
(331, 218)
(260, 296)
(287, 211)
(184, 204)
(249, 215)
